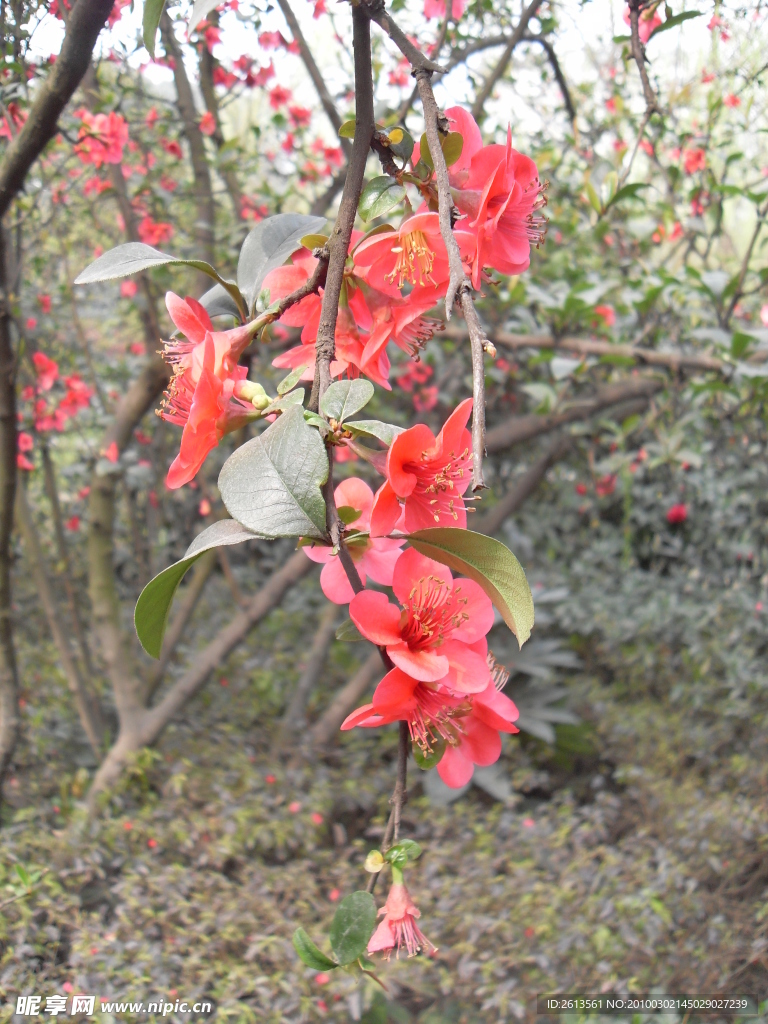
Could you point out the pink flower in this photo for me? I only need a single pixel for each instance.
(428, 474)
(677, 514)
(102, 138)
(45, 303)
(436, 8)
(374, 558)
(764, 315)
(606, 485)
(73, 524)
(439, 633)
(203, 396)
(208, 123)
(128, 289)
(111, 453)
(399, 927)
(31, 323)
(694, 160)
(25, 442)
(647, 23)
(47, 369)
(154, 232)
(731, 101)
(278, 97)
(607, 314)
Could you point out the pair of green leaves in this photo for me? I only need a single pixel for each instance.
(352, 927)
(266, 247)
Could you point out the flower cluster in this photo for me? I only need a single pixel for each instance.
(101, 138)
(44, 414)
(394, 277)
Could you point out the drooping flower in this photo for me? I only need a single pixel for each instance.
(429, 474)
(439, 633)
(207, 407)
(468, 724)
(398, 927)
(209, 395)
(372, 557)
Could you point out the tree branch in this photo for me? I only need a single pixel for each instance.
(314, 73)
(638, 52)
(478, 107)
(374, 9)
(523, 428)
(84, 24)
(554, 63)
(330, 721)
(522, 488)
(338, 243)
(459, 287)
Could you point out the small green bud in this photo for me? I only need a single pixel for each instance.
(374, 862)
(253, 392)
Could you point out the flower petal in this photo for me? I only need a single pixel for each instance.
(394, 696)
(376, 617)
(385, 511)
(406, 448)
(424, 665)
(469, 672)
(411, 568)
(455, 768)
(477, 605)
(334, 582)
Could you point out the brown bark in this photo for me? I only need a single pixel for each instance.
(206, 207)
(85, 22)
(9, 681)
(327, 726)
(86, 701)
(523, 428)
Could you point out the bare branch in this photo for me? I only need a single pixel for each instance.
(522, 488)
(554, 63)
(478, 107)
(638, 52)
(338, 243)
(374, 9)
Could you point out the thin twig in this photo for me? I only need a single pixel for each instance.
(338, 243)
(374, 9)
(638, 52)
(398, 798)
(492, 80)
(459, 287)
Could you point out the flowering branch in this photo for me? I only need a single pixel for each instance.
(338, 244)
(638, 52)
(459, 287)
(398, 798)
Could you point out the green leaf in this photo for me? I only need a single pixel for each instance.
(153, 12)
(348, 515)
(345, 397)
(594, 198)
(217, 301)
(431, 760)
(154, 603)
(386, 432)
(352, 927)
(23, 874)
(402, 852)
(268, 246)
(132, 257)
(674, 21)
(309, 954)
(452, 146)
(628, 192)
(272, 482)
(380, 196)
(314, 241)
(347, 130)
(285, 402)
(291, 380)
(348, 632)
(489, 563)
(401, 143)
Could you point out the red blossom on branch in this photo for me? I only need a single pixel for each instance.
(398, 927)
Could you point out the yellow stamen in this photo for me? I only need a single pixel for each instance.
(414, 260)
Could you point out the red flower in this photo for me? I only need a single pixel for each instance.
(429, 474)
(208, 123)
(172, 147)
(153, 232)
(677, 514)
(694, 160)
(499, 190)
(732, 101)
(204, 396)
(128, 289)
(300, 116)
(278, 97)
(112, 452)
(373, 557)
(581, 489)
(47, 369)
(101, 138)
(45, 303)
(439, 634)
(73, 524)
(606, 485)
(607, 314)
(399, 927)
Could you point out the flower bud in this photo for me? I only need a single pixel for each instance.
(374, 862)
(251, 391)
